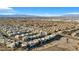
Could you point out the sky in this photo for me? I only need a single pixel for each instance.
(40, 11)
(39, 7)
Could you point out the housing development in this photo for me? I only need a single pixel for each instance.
(39, 33)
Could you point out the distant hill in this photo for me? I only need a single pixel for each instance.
(17, 16)
(71, 15)
(35, 17)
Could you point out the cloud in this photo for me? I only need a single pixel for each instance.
(73, 13)
(7, 11)
(43, 14)
(5, 8)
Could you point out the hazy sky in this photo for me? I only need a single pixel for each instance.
(42, 11)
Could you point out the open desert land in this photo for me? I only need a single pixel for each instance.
(39, 35)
